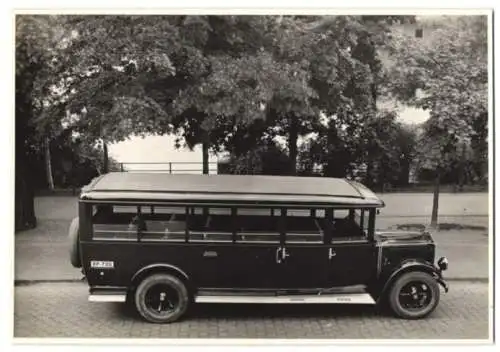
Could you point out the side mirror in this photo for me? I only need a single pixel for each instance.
(378, 211)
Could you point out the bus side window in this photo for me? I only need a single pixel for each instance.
(212, 224)
(165, 224)
(107, 224)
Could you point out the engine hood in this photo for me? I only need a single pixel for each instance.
(403, 237)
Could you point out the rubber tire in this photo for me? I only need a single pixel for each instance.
(170, 280)
(74, 249)
(393, 297)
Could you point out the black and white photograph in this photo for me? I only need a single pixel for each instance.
(253, 175)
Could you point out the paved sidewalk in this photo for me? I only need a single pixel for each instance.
(42, 253)
(420, 204)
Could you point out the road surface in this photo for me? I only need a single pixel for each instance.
(62, 310)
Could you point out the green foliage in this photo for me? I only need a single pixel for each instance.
(238, 82)
(38, 41)
(244, 81)
(74, 162)
(344, 149)
(313, 66)
(119, 57)
(108, 41)
(263, 160)
(208, 76)
(447, 75)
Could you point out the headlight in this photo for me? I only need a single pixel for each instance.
(442, 263)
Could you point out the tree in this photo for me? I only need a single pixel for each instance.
(340, 149)
(294, 69)
(313, 65)
(75, 161)
(38, 39)
(96, 66)
(406, 142)
(229, 72)
(347, 75)
(448, 76)
(109, 87)
(231, 95)
(267, 159)
(225, 71)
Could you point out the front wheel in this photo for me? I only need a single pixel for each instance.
(161, 298)
(414, 295)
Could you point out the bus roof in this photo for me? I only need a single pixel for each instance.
(228, 189)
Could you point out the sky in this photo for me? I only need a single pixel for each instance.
(162, 148)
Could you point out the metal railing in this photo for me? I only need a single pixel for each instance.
(170, 167)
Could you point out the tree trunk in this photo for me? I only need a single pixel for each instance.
(105, 161)
(24, 175)
(24, 196)
(369, 171)
(462, 170)
(404, 177)
(204, 150)
(48, 165)
(336, 163)
(435, 201)
(292, 144)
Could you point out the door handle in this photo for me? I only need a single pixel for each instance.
(331, 253)
(284, 254)
(278, 257)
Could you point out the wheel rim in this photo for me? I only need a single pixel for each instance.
(161, 299)
(415, 296)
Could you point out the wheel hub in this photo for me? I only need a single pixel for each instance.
(415, 296)
(161, 299)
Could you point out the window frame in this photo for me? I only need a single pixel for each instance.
(312, 214)
(234, 234)
(366, 223)
(206, 211)
(239, 235)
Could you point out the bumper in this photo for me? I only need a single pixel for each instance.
(443, 283)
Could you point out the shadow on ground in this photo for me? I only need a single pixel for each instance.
(244, 312)
(441, 227)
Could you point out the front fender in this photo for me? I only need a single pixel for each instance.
(386, 279)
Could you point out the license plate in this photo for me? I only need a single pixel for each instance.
(102, 264)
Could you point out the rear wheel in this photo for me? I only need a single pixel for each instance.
(161, 298)
(414, 295)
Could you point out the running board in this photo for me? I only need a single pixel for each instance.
(108, 298)
(349, 298)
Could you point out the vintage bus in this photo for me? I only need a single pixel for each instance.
(166, 241)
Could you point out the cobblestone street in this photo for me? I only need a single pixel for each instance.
(62, 310)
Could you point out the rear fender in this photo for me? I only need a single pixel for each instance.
(164, 269)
